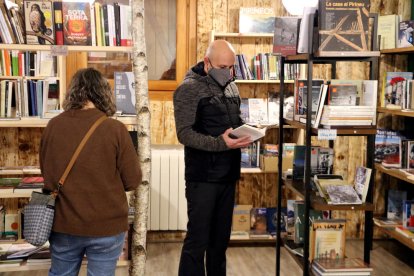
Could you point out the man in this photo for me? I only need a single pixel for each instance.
(207, 108)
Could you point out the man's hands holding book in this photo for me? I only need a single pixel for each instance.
(233, 142)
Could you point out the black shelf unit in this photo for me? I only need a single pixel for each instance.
(305, 189)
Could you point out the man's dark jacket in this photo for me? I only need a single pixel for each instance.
(203, 111)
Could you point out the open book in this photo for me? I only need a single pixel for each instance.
(246, 130)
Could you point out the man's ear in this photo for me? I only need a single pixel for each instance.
(206, 64)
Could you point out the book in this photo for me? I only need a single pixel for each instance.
(393, 88)
(272, 108)
(76, 23)
(342, 194)
(361, 182)
(410, 154)
(290, 219)
(299, 213)
(247, 130)
(258, 223)
(392, 150)
(343, 25)
(298, 162)
(405, 34)
(285, 35)
(125, 93)
(408, 214)
(395, 204)
(342, 94)
(301, 92)
(387, 223)
(321, 104)
(57, 8)
(308, 18)
(250, 155)
(241, 218)
(271, 220)
(325, 160)
(388, 30)
(39, 23)
(256, 20)
(342, 265)
(327, 239)
(258, 110)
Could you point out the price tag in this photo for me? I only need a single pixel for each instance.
(326, 134)
(59, 50)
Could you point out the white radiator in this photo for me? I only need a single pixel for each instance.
(168, 205)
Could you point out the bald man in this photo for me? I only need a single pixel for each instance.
(206, 109)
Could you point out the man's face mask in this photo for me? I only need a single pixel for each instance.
(222, 76)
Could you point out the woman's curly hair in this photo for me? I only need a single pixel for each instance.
(90, 85)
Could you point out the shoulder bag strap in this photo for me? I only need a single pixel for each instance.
(78, 150)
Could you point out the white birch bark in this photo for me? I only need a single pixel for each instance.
(140, 69)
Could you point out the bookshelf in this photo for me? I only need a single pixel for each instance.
(302, 188)
(404, 179)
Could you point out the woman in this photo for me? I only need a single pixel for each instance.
(91, 215)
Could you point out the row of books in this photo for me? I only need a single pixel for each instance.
(66, 23)
(395, 33)
(27, 63)
(393, 149)
(21, 185)
(397, 90)
(260, 111)
(249, 222)
(335, 190)
(25, 97)
(265, 67)
(337, 102)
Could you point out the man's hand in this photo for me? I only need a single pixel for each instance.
(235, 143)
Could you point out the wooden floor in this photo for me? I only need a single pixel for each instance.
(388, 258)
(163, 259)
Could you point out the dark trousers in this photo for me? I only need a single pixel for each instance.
(210, 210)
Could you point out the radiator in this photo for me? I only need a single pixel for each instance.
(168, 205)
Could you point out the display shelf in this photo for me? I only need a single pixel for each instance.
(318, 203)
(261, 81)
(270, 240)
(69, 48)
(333, 56)
(342, 130)
(26, 77)
(33, 267)
(395, 235)
(42, 122)
(397, 173)
(401, 51)
(398, 112)
(10, 194)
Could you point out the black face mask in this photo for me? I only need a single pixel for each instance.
(221, 75)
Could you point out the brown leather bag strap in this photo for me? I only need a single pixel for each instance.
(79, 148)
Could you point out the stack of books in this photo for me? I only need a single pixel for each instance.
(342, 266)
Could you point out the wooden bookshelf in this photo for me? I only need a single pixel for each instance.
(342, 130)
(261, 81)
(70, 48)
(32, 267)
(334, 56)
(398, 112)
(401, 51)
(399, 237)
(318, 203)
(10, 194)
(396, 173)
(42, 122)
(28, 78)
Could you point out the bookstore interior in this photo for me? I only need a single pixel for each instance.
(326, 92)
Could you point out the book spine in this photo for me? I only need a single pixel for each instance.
(57, 7)
(106, 24)
(117, 24)
(98, 24)
(93, 24)
(15, 63)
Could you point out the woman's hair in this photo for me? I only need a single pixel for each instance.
(89, 85)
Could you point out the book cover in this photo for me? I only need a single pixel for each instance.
(342, 265)
(405, 34)
(57, 7)
(255, 133)
(125, 92)
(257, 110)
(273, 108)
(342, 94)
(342, 194)
(302, 92)
(392, 150)
(395, 204)
(39, 22)
(290, 219)
(285, 35)
(388, 30)
(271, 220)
(327, 239)
(258, 224)
(410, 154)
(343, 25)
(299, 213)
(244, 110)
(361, 182)
(394, 87)
(76, 23)
(408, 214)
(325, 160)
(256, 20)
(241, 218)
(299, 162)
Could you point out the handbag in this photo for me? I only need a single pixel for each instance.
(40, 211)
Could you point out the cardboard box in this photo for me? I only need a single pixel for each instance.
(269, 163)
(241, 217)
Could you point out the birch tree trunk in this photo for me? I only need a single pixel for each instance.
(140, 68)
